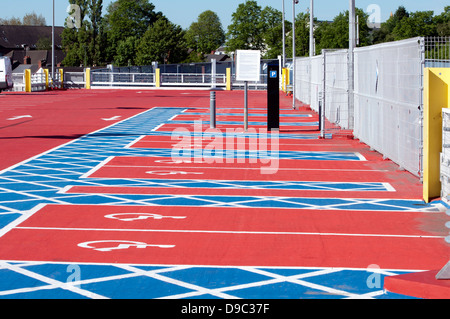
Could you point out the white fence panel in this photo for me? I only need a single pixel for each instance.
(336, 87)
(388, 100)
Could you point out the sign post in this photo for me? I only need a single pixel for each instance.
(248, 68)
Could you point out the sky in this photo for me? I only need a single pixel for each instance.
(184, 12)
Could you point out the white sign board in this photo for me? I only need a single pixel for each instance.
(248, 65)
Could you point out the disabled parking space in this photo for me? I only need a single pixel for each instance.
(218, 236)
(130, 195)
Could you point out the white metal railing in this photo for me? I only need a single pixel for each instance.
(115, 79)
(19, 82)
(260, 85)
(105, 79)
(38, 82)
(196, 79)
(101, 79)
(74, 79)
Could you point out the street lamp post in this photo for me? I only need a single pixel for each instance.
(294, 2)
(53, 44)
(351, 70)
(283, 62)
(311, 28)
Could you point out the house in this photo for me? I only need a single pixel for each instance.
(20, 43)
(220, 55)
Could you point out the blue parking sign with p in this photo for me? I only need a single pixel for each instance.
(273, 74)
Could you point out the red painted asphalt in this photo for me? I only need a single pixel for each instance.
(34, 123)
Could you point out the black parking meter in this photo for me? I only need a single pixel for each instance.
(273, 96)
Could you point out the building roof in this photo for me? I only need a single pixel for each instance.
(37, 57)
(16, 36)
(218, 57)
(21, 68)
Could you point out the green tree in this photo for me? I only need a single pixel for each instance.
(271, 26)
(418, 23)
(83, 45)
(335, 35)
(163, 42)
(206, 34)
(301, 36)
(126, 52)
(96, 44)
(127, 18)
(44, 43)
(443, 22)
(386, 32)
(246, 30)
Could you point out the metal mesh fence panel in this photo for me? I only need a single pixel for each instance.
(303, 80)
(336, 87)
(388, 100)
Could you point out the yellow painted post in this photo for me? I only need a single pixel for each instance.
(46, 79)
(158, 78)
(87, 78)
(283, 80)
(228, 79)
(436, 97)
(28, 80)
(61, 74)
(288, 78)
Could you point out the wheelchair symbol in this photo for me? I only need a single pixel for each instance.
(165, 173)
(130, 217)
(110, 245)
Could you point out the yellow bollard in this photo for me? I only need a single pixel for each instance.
(28, 80)
(46, 79)
(158, 78)
(61, 74)
(87, 78)
(228, 79)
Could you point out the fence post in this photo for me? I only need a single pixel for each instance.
(27, 80)
(213, 73)
(158, 78)
(228, 79)
(322, 105)
(212, 104)
(284, 81)
(61, 77)
(87, 78)
(46, 79)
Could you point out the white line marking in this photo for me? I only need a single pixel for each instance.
(52, 282)
(19, 117)
(129, 145)
(232, 232)
(97, 167)
(114, 118)
(389, 187)
(66, 144)
(158, 127)
(249, 168)
(21, 219)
